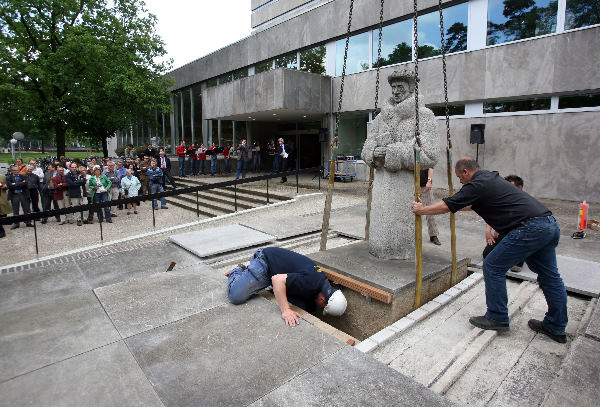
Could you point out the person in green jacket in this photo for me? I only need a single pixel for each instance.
(99, 187)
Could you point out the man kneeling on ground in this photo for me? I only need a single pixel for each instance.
(294, 277)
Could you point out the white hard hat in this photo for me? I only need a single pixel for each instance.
(336, 305)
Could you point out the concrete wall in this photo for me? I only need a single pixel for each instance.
(272, 90)
(316, 26)
(276, 9)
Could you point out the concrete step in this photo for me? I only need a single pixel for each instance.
(475, 367)
(244, 190)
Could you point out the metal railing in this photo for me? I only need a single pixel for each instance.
(35, 216)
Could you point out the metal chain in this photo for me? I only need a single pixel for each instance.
(416, 59)
(337, 115)
(379, 55)
(445, 76)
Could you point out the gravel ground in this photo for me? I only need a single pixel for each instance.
(19, 245)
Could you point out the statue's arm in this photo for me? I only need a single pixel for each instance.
(430, 139)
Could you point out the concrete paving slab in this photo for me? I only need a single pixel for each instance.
(593, 328)
(108, 376)
(284, 227)
(351, 378)
(208, 242)
(35, 336)
(579, 381)
(390, 275)
(580, 276)
(41, 284)
(350, 221)
(116, 267)
(141, 304)
(228, 355)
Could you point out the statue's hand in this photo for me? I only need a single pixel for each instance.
(379, 152)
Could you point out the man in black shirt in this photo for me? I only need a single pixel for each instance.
(531, 234)
(294, 277)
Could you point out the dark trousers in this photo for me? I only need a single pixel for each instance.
(283, 167)
(167, 176)
(35, 199)
(47, 202)
(20, 200)
(2, 231)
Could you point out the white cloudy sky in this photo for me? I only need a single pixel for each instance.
(194, 28)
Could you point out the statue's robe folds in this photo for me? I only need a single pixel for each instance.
(391, 234)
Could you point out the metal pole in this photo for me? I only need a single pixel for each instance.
(320, 175)
(153, 218)
(235, 196)
(267, 190)
(452, 219)
(369, 199)
(37, 251)
(101, 235)
(197, 206)
(297, 156)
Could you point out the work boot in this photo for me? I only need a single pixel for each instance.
(435, 240)
(484, 323)
(79, 222)
(537, 326)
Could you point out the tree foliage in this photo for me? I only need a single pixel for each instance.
(81, 66)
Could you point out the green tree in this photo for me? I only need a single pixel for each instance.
(83, 66)
(581, 13)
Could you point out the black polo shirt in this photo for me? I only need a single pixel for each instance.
(502, 205)
(304, 278)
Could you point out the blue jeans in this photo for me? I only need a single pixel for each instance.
(256, 164)
(275, 163)
(102, 197)
(155, 188)
(534, 242)
(227, 165)
(203, 167)
(181, 166)
(242, 284)
(193, 166)
(213, 164)
(241, 166)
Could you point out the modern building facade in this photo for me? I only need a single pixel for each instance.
(527, 70)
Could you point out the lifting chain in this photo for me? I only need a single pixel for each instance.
(447, 109)
(416, 59)
(337, 115)
(379, 56)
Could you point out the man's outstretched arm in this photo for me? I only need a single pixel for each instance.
(290, 317)
(437, 208)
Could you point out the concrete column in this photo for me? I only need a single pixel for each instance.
(173, 124)
(181, 110)
(474, 109)
(330, 58)
(251, 70)
(218, 133)
(233, 131)
(164, 129)
(210, 132)
(477, 22)
(560, 16)
(192, 114)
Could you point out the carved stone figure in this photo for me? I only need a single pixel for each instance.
(389, 149)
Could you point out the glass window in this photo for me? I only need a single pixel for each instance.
(240, 73)
(521, 105)
(455, 25)
(187, 115)
(226, 133)
(510, 20)
(352, 133)
(211, 82)
(225, 78)
(579, 100)
(313, 60)
(263, 66)
(197, 92)
(396, 43)
(453, 110)
(358, 54)
(287, 61)
(581, 13)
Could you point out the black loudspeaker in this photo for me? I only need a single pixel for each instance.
(477, 134)
(323, 135)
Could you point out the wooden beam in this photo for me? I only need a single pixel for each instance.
(363, 288)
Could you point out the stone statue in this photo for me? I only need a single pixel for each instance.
(389, 149)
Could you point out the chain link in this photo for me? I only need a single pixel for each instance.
(379, 56)
(416, 59)
(449, 139)
(337, 115)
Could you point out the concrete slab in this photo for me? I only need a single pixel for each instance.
(593, 328)
(141, 304)
(285, 227)
(228, 355)
(41, 284)
(350, 221)
(44, 333)
(351, 378)
(208, 242)
(116, 267)
(579, 381)
(392, 276)
(108, 376)
(579, 276)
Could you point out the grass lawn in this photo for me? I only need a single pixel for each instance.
(28, 155)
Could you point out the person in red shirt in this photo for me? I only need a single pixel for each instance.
(60, 184)
(192, 152)
(226, 155)
(181, 150)
(212, 151)
(202, 158)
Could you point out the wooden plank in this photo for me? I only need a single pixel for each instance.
(363, 288)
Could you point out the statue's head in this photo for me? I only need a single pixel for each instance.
(402, 83)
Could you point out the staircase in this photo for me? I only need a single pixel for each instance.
(220, 201)
(471, 366)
